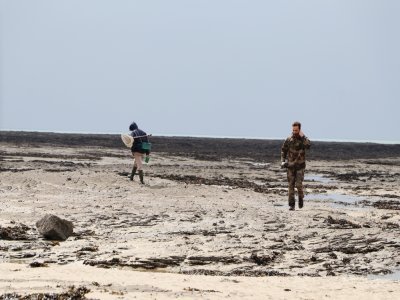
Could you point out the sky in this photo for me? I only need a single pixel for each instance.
(236, 68)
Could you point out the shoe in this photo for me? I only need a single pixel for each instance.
(132, 174)
(141, 176)
(301, 203)
(291, 208)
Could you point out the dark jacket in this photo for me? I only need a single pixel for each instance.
(139, 137)
(294, 150)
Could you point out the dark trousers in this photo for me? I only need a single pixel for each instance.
(295, 178)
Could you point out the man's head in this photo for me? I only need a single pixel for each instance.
(133, 126)
(296, 127)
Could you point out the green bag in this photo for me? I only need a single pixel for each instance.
(146, 146)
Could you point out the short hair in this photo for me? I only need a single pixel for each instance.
(298, 124)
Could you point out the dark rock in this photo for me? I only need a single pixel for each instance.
(149, 264)
(255, 273)
(390, 225)
(237, 272)
(263, 259)
(37, 264)
(330, 273)
(73, 293)
(90, 249)
(206, 260)
(391, 204)
(333, 255)
(14, 233)
(203, 272)
(341, 223)
(54, 228)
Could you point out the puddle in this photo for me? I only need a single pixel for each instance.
(340, 200)
(334, 197)
(256, 165)
(393, 276)
(318, 178)
(337, 200)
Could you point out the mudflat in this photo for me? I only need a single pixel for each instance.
(212, 220)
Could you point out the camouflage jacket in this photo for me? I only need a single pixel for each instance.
(294, 150)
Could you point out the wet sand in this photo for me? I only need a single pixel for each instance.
(212, 220)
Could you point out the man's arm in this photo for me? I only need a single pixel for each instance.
(306, 142)
(284, 150)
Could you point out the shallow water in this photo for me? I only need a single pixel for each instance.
(340, 200)
(318, 178)
(335, 197)
(393, 276)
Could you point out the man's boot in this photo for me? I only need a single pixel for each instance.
(141, 176)
(291, 203)
(301, 203)
(133, 173)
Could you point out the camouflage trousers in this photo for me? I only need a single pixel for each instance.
(295, 178)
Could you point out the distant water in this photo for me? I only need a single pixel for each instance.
(224, 136)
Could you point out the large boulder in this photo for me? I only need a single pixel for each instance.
(54, 228)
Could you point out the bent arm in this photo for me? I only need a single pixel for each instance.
(284, 150)
(306, 143)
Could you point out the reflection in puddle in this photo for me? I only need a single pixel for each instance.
(348, 199)
(335, 199)
(339, 200)
(393, 276)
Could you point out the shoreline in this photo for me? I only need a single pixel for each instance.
(113, 134)
(207, 148)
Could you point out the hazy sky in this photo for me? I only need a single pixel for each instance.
(202, 67)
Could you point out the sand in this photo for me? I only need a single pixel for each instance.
(201, 227)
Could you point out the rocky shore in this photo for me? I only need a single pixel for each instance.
(211, 209)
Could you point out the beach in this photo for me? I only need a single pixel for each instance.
(212, 220)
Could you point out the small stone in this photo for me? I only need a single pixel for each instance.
(37, 264)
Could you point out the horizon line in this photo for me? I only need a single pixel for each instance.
(385, 142)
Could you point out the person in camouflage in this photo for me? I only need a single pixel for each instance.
(293, 157)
